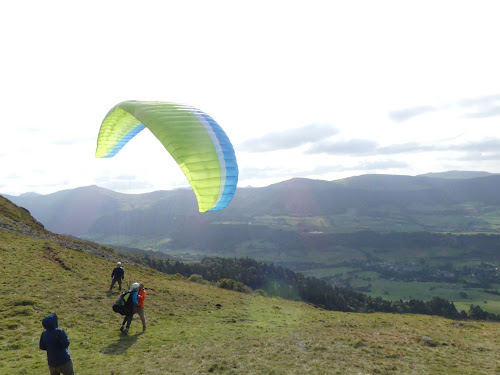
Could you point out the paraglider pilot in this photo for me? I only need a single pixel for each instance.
(131, 305)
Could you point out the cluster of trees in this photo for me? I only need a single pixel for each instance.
(282, 282)
(483, 275)
(226, 237)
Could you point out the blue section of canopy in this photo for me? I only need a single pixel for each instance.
(127, 137)
(230, 163)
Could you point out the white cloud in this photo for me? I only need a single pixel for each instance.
(287, 139)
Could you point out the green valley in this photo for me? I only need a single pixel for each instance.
(196, 328)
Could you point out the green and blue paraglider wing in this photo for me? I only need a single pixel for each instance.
(196, 142)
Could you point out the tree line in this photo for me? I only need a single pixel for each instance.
(483, 274)
(279, 281)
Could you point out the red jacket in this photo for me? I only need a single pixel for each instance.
(141, 297)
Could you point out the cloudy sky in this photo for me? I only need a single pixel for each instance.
(316, 89)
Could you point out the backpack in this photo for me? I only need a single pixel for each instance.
(123, 304)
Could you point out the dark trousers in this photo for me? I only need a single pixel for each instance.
(128, 319)
(119, 280)
(64, 369)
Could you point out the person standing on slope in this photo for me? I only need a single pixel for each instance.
(141, 296)
(117, 275)
(55, 341)
(131, 305)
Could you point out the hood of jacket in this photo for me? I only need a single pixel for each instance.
(50, 322)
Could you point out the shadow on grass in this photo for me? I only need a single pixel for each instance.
(122, 345)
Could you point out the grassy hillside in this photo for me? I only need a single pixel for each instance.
(188, 333)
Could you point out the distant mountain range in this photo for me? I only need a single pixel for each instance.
(271, 218)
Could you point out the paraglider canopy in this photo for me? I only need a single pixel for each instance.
(198, 144)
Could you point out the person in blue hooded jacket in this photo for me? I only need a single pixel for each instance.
(55, 341)
(131, 304)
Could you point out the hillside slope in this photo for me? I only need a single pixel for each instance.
(197, 328)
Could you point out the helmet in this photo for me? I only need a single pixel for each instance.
(119, 264)
(135, 286)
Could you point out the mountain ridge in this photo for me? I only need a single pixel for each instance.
(394, 200)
